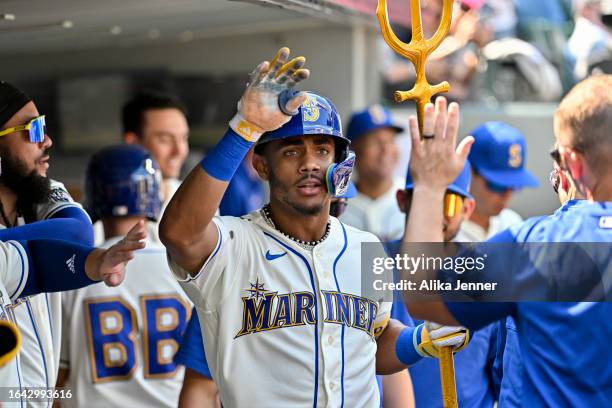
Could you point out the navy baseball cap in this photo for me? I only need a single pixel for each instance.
(499, 154)
(460, 186)
(369, 119)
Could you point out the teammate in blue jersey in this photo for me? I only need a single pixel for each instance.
(564, 346)
(508, 366)
(473, 365)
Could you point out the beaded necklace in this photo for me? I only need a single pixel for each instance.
(265, 211)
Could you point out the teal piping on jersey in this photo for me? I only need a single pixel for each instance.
(42, 352)
(22, 271)
(343, 327)
(316, 326)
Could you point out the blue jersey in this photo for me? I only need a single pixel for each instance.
(508, 367)
(191, 352)
(245, 193)
(564, 346)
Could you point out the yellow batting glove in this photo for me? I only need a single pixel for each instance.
(429, 337)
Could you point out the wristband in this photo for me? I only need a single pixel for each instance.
(405, 348)
(223, 160)
(244, 129)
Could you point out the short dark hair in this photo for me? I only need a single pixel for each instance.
(132, 115)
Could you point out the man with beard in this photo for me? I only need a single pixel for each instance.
(27, 195)
(284, 316)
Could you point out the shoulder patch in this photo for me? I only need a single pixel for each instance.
(59, 195)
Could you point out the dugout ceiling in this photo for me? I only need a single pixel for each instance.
(43, 26)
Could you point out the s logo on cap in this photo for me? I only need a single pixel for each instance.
(310, 109)
(377, 113)
(516, 157)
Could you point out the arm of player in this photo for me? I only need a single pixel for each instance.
(397, 390)
(66, 229)
(198, 391)
(434, 164)
(73, 266)
(186, 228)
(399, 346)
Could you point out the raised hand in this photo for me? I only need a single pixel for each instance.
(435, 162)
(112, 261)
(259, 105)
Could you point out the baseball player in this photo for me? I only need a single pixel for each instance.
(156, 121)
(119, 343)
(25, 270)
(508, 367)
(559, 369)
(474, 364)
(198, 386)
(279, 291)
(27, 195)
(372, 133)
(498, 162)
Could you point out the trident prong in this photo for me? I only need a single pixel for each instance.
(417, 51)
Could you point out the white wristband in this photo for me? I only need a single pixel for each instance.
(246, 130)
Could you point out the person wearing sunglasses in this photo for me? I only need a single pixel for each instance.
(473, 364)
(498, 165)
(29, 196)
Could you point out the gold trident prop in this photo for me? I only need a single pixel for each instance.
(417, 51)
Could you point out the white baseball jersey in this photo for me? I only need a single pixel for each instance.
(39, 318)
(472, 232)
(13, 277)
(285, 326)
(119, 343)
(381, 216)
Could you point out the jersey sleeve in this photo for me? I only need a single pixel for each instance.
(213, 281)
(385, 297)
(14, 268)
(59, 199)
(191, 352)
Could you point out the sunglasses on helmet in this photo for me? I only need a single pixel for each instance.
(36, 129)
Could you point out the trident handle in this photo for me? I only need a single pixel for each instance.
(417, 51)
(447, 378)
